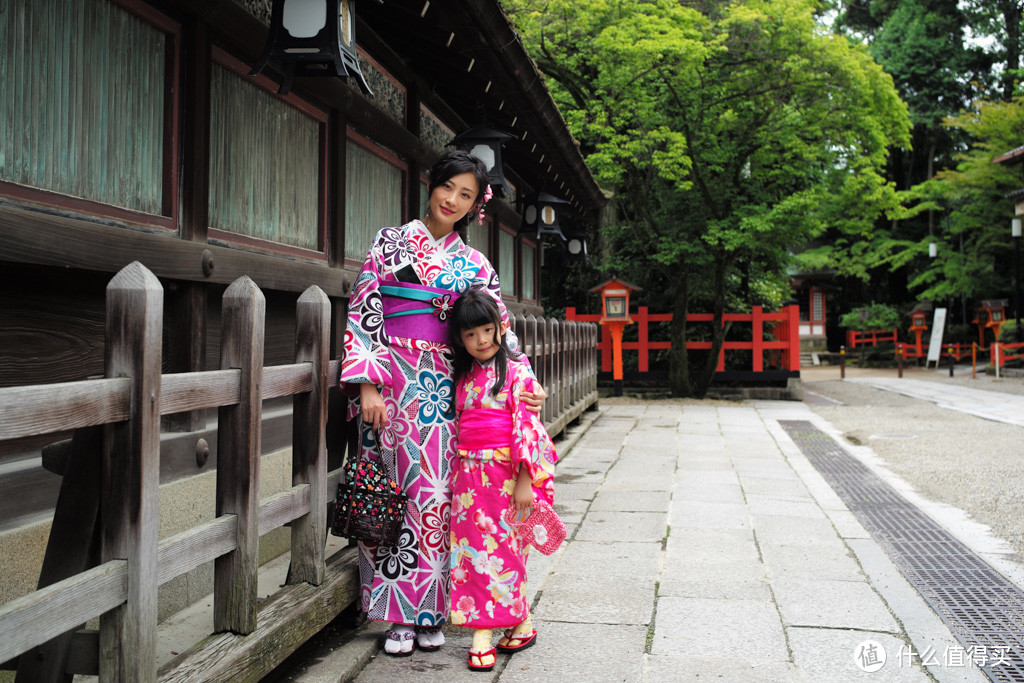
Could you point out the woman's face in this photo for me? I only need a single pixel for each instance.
(451, 200)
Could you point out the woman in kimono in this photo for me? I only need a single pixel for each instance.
(397, 368)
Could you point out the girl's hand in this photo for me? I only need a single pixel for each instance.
(372, 406)
(534, 400)
(522, 494)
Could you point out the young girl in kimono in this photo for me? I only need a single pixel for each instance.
(505, 459)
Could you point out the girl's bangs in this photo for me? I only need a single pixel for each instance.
(475, 312)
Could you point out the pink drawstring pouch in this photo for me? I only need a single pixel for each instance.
(542, 529)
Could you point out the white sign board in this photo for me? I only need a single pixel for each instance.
(935, 343)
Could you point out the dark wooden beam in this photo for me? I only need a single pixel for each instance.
(28, 236)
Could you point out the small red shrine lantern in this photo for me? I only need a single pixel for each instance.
(918, 325)
(615, 314)
(990, 314)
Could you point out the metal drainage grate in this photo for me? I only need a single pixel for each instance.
(982, 608)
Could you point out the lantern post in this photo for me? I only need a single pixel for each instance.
(615, 314)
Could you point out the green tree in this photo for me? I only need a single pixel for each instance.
(730, 133)
(974, 258)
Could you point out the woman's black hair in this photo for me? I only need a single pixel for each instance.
(453, 163)
(473, 309)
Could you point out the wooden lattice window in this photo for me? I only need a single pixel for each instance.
(267, 163)
(87, 111)
(373, 194)
(507, 262)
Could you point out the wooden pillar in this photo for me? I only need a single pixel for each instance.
(131, 474)
(309, 445)
(643, 337)
(238, 454)
(757, 338)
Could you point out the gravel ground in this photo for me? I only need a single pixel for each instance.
(949, 457)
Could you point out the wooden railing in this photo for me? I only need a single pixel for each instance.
(855, 338)
(109, 499)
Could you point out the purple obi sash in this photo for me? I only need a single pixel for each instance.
(417, 311)
(485, 428)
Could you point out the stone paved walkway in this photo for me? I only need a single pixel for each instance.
(703, 545)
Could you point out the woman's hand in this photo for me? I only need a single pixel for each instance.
(372, 406)
(522, 494)
(534, 400)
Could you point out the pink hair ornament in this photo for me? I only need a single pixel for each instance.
(487, 197)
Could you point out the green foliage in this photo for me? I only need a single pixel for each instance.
(730, 133)
(874, 317)
(975, 250)
(1008, 331)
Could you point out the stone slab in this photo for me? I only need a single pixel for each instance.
(689, 545)
(605, 525)
(832, 604)
(565, 598)
(745, 629)
(830, 561)
(631, 501)
(830, 655)
(779, 507)
(598, 652)
(597, 563)
(795, 531)
(686, 667)
(709, 515)
(695, 492)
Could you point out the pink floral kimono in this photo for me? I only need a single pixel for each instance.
(497, 436)
(396, 338)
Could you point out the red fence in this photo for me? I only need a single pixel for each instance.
(783, 346)
(870, 337)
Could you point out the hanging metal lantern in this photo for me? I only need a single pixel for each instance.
(485, 143)
(576, 247)
(541, 215)
(312, 38)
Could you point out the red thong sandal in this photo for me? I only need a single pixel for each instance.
(480, 666)
(524, 641)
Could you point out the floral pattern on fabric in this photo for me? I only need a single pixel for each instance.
(409, 583)
(488, 562)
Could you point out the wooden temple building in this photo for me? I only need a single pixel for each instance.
(132, 130)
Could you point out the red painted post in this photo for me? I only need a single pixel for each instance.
(642, 338)
(794, 337)
(757, 336)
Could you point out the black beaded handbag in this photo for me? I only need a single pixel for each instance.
(370, 506)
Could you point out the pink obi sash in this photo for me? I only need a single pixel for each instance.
(485, 428)
(417, 311)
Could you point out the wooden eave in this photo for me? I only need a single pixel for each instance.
(1014, 156)
(467, 55)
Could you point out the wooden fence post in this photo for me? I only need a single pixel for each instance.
(544, 365)
(309, 442)
(757, 338)
(131, 474)
(238, 454)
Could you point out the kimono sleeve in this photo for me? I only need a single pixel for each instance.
(531, 446)
(367, 357)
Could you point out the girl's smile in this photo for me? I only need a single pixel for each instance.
(481, 342)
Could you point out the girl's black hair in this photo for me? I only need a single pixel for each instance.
(453, 163)
(473, 309)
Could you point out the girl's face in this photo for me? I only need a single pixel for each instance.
(482, 342)
(450, 201)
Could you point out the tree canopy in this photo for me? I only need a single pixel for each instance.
(730, 133)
